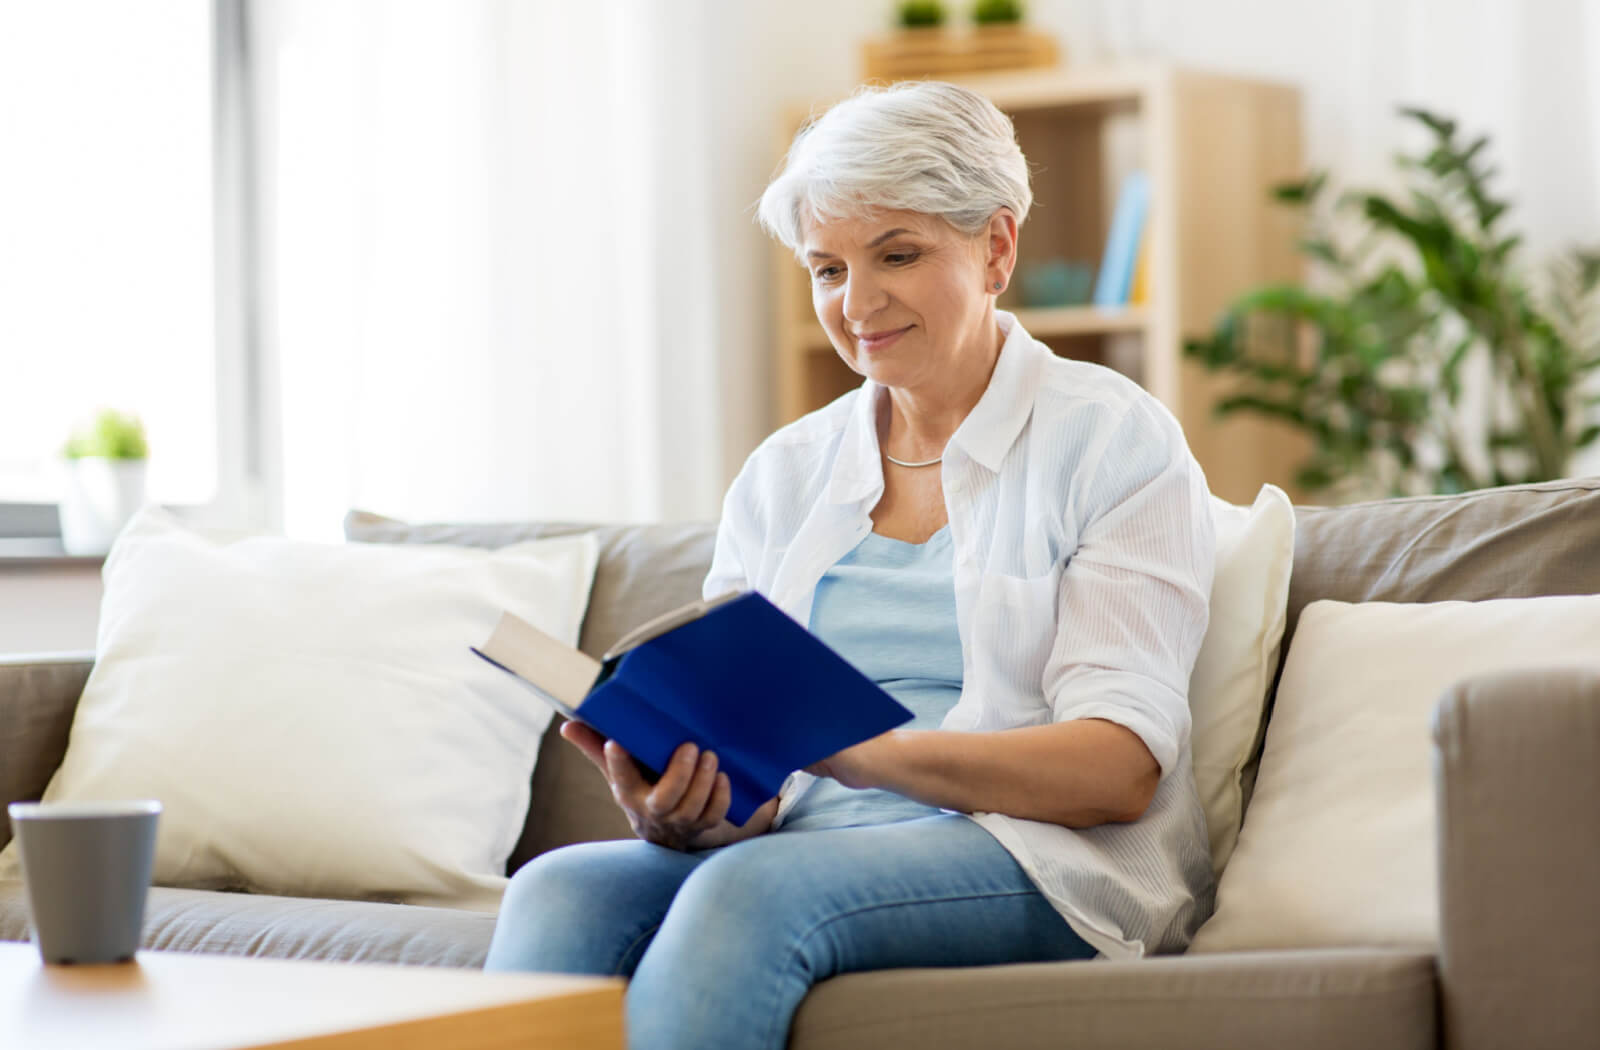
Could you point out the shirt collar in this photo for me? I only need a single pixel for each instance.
(992, 426)
(986, 435)
(858, 470)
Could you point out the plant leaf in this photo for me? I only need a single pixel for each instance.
(1303, 192)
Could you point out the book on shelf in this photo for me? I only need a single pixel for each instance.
(1140, 293)
(734, 674)
(1122, 242)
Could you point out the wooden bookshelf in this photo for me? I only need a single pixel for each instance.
(1213, 146)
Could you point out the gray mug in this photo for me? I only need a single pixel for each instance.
(86, 866)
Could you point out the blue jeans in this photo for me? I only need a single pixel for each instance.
(721, 945)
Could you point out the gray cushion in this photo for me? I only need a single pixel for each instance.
(643, 571)
(1514, 542)
(293, 927)
(38, 695)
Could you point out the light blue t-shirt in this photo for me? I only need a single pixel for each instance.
(888, 607)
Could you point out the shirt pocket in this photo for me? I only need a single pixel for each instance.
(1016, 632)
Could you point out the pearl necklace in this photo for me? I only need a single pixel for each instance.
(903, 463)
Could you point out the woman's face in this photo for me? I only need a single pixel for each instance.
(905, 297)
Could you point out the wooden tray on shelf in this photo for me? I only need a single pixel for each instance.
(910, 54)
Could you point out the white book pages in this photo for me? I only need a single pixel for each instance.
(563, 673)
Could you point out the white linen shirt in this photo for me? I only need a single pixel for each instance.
(1083, 560)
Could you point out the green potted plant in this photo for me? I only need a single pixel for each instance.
(920, 14)
(1424, 358)
(997, 12)
(105, 480)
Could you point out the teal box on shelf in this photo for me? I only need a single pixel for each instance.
(1056, 282)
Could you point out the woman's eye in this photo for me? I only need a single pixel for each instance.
(827, 273)
(900, 258)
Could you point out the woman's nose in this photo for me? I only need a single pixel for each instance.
(863, 297)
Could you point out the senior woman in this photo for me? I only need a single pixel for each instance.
(1016, 546)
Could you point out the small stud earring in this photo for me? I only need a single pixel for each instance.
(997, 286)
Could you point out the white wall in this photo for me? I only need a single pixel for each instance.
(49, 608)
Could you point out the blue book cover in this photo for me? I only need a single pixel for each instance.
(1122, 243)
(735, 675)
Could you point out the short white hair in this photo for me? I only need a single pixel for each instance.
(921, 146)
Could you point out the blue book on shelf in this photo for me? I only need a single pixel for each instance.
(1122, 243)
(735, 674)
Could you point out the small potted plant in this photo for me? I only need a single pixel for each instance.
(920, 14)
(997, 14)
(105, 481)
(922, 46)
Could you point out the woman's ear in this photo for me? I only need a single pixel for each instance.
(1002, 251)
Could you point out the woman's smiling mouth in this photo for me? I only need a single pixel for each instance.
(871, 341)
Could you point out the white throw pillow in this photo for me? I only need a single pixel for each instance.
(1232, 673)
(311, 716)
(1338, 846)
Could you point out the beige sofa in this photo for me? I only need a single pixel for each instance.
(1517, 760)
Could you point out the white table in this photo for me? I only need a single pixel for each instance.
(178, 1000)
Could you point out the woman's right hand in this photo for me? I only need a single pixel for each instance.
(685, 809)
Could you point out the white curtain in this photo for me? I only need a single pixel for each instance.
(480, 219)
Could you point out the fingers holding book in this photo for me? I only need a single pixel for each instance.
(687, 803)
(681, 798)
(685, 808)
(686, 794)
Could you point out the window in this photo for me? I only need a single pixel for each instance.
(107, 246)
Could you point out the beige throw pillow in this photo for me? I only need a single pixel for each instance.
(1228, 688)
(311, 715)
(1337, 848)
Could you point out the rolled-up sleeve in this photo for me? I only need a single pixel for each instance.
(1134, 595)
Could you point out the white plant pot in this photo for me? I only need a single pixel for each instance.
(99, 498)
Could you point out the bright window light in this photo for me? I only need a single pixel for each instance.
(106, 236)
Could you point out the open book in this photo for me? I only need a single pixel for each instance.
(734, 674)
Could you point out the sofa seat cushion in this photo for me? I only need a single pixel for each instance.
(1309, 1000)
(293, 927)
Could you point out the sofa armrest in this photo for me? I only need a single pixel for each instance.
(38, 694)
(1517, 774)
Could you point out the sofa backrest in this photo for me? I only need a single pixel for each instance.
(38, 697)
(1520, 541)
(1516, 541)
